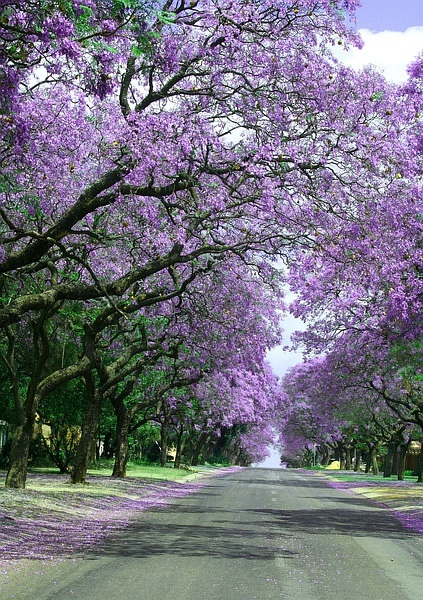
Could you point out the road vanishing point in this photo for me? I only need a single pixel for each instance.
(255, 534)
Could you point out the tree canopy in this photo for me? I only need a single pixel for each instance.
(159, 162)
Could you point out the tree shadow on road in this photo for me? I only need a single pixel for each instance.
(252, 534)
(296, 483)
(324, 521)
(211, 541)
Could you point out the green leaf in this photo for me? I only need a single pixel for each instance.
(166, 17)
(123, 4)
(137, 51)
(111, 49)
(377, 96)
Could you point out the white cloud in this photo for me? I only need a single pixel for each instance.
(389, 51)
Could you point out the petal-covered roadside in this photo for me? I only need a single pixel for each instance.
(52, 519)
(403, 498)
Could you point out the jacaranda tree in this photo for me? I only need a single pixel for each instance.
(144, 141)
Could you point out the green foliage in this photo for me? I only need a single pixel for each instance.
(61, 446)
(6, 399)
(166, 17)
(83, 22)
(38, 453)
(64, 406)
(217, 461)
(138, 50)
(63, 412)
(142, 443)
(119, 5)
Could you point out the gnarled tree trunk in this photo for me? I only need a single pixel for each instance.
(124, 417)
(26, 411)
(163, 443)
(371, 461)
(122, 440)
(348, 458)
(357, 460)
(342, 450)
(89, 432)
(201, 442)
(389, 460)
(420, 467)
(401, 461)
(19, 453)
(373, 458)
(179, 447)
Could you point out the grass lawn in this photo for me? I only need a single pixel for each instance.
(368, 477)
(169, 473)
(360, 476)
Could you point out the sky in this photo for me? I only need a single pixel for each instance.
(392, 32)
(389, 15)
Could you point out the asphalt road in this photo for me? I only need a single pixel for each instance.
(256, 534)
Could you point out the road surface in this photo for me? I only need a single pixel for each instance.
(256, 534)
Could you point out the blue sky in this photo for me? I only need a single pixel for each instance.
(392, 15)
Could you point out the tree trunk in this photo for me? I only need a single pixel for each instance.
(202, 439)
(163, 444)
(19, 453)
(324, 459)
(348, 459)
(88, 438)
(420, 466)
(122, 442)
(337, 455)
(371, 460)
(179, 447)
(196, 454)
(389, 460)
(395, 461)
(367, 467)
(375, 466)
(25, 411)
(342, 459)
(401, 462)
(357, 460)
(124, 418)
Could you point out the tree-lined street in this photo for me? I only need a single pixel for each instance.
(176, 177)
(256, 533)
(168, 171)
